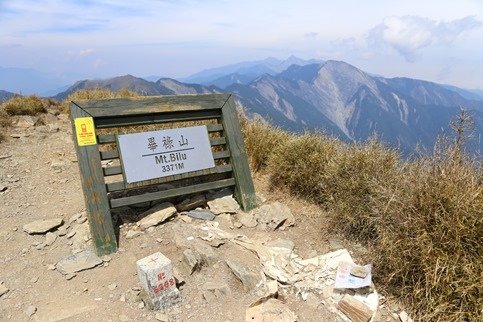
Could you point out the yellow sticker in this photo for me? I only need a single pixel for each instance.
(84, 128)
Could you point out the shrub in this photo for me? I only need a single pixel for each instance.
(351, 179)
(260, 140)
(429, 236)
(300, 162)
(24, 105)
(4, 118)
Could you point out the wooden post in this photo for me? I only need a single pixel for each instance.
(92, 179)
(244, 191)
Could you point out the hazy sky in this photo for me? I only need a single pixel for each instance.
(436, 40)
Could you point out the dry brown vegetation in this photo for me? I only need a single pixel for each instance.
(24, 105)
(95, 93)
(422, 220)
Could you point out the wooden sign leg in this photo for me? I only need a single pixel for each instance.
(93, 186)
(245, 191)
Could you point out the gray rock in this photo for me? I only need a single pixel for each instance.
(213, 291)
(30, 310)
(71, 234)
(3, 290)
(112, 286)
(132, 233)
(247, 220)
(201, 214)
(191, 203)
(205, 252)
(274, 215)
(42, 226)
(157, 215)
(57, 165)
(26, 121)
(62, 231)
(270, 291)
(74, 217)
(3, 188)
(282, 243)
(191, 260)
(78, 262)
(50, 238)
(223, 202)
(248, 278)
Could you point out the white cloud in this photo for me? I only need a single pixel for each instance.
(86, 52)
(408, 34)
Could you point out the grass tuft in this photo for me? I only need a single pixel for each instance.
(96, 93)
(24, 105)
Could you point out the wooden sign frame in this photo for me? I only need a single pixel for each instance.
(101, 196)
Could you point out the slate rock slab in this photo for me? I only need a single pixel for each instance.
(248, 278)
(42, 226)
(201, 214)
(81, 261)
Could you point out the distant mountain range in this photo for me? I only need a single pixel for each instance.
(344, 101)
(329, 96)
(4, 95)
(164, 86)
(245, 72)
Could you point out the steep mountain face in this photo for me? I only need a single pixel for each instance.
(164, 86)
(242, 73)
(349, 103)
(4, 95)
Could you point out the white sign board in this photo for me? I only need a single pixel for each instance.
(163, 153)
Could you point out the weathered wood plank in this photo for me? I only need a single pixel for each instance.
(111, 138)
(159, 195)
(120, 185)
(355, 310)
(154, 104)
(95, 194)
(245, 191)
(144, 119)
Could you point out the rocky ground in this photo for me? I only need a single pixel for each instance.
(221, 265)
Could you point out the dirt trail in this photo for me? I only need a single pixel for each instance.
(40, 180)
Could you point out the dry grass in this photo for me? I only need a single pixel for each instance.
(421, 219)
(95, 93)
(24, 105)
(430, 236)
(261, 138)
(4, 118)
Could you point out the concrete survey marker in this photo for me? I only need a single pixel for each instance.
(156, 277)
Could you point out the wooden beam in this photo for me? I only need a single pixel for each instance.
(153, 104)
(245, 191)
(154, 118)
(120, 185)
(159, 195)
(95, 194)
